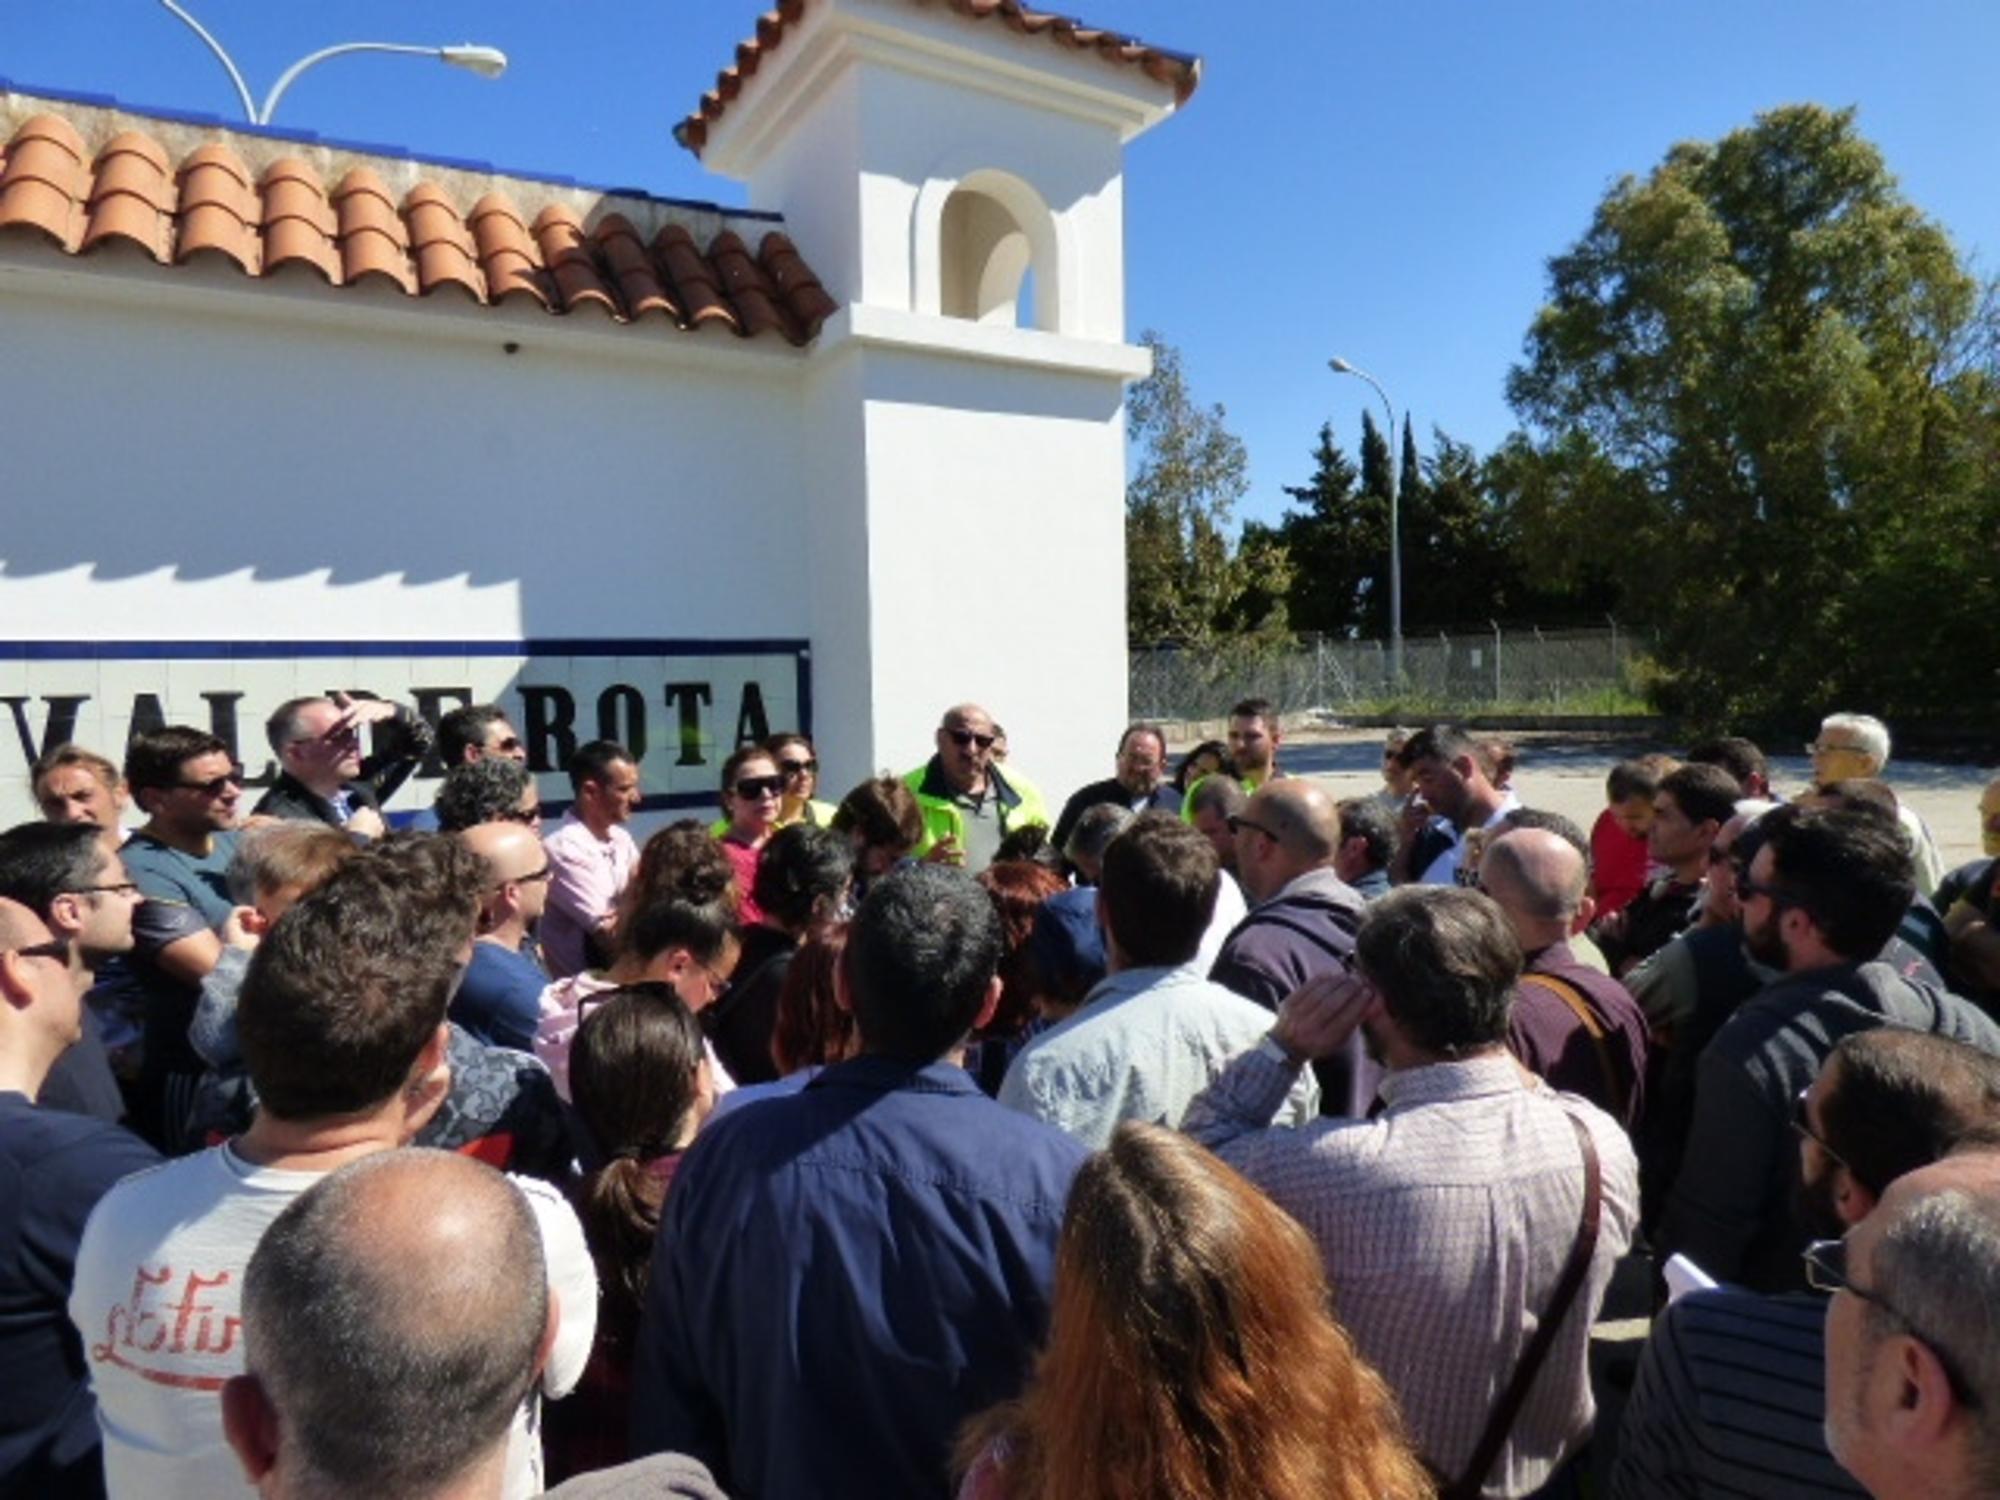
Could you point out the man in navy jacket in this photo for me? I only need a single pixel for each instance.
(843, 1276)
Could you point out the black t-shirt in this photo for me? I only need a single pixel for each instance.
(54, 1166)
(740, 1024)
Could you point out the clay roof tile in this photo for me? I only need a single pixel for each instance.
(443, 246)
(218, 211)
(44, 181)
(131, 197)
(755, 298)
(208, 202)
(693, 279)
(372, 238)
(299, 223)
(624, 255)
(571, 258)
(1179, 72)
(803, 294)
(507, 254)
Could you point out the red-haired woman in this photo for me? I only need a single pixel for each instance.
(1191, 1353)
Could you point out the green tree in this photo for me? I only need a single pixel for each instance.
(1336, 540)
(1749, 403)
(1182, 575)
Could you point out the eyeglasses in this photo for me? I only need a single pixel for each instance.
(510, 743)
(526, 815)
(1748, 890)
(56, 948)
(215, 786)
(1826, 1271)
(751, 788)
(965, 739)
(546, 872)
(1803, 1125)
(1237, 823)
(119, 888)
(791, 770)
(718, 984)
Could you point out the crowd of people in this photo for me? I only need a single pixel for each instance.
(1207, 1135)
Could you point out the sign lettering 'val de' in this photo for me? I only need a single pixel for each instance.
(679, 706)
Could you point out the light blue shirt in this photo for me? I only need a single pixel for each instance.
(1144, 1043)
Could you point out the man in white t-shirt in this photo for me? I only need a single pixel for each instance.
(341, 1021)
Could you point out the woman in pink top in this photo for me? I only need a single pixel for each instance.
(752, 792)
(676, 927)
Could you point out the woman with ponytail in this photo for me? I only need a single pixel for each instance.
(642, 1085)
(676, 927)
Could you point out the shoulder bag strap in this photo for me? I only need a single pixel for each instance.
(1501, 1422)
(1617, 1090)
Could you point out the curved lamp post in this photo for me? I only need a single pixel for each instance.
(1340, 366)
(487, 62)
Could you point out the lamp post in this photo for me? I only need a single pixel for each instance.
(487, 62)
(1340, 366)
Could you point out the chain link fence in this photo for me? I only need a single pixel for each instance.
(1520, 669)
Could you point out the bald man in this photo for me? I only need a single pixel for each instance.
(1913, 1334)
(500, 999)
(1302, 920)
(1579, 1029)
(969, 803)
(54, 1166)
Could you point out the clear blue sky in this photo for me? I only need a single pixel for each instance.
(1382, 181)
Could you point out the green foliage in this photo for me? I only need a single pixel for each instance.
(1184, 581)
(1338, 545)
(1755, 408)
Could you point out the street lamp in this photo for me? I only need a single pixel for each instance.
(487, 62)
(1340, 366)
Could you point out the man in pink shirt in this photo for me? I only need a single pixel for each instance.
(591, 856)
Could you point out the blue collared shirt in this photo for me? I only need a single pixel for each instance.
(843, 1277)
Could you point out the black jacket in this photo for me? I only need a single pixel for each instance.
(401, 744)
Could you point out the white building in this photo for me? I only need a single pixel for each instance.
(281, 417)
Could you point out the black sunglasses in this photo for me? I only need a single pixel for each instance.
(1826, 1271)
(791, 770)
(965, 738)
(56, 948)
(1237, 823)
(750, 788)
(529, 816)
(215, 786)
(1748, 890)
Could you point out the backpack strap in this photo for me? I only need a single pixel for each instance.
(1501, 1422)
(1617, 1090)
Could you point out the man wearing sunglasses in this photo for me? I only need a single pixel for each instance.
(499, 1001)
(189, 789)
(475, 732)
(1731, 1393)
(1823, 896)
(1912, 1343)
(54, 1166)
(324, 777)
(969, 804)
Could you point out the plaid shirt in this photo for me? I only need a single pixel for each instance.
(1444, 1224)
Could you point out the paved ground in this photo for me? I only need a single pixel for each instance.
(1565, 773)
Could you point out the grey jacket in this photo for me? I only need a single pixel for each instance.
(1731, 1208)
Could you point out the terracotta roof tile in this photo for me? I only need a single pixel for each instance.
(372, 237)
(1174, 69)
(571, 258)
(131, 196)
(271, 211)
(694, 279)
(625, 255)
(218, 210)
(512, 264)
(44, 179)
(299, 223)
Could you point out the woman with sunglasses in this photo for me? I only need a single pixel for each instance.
(752, 793)
(799, 765)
